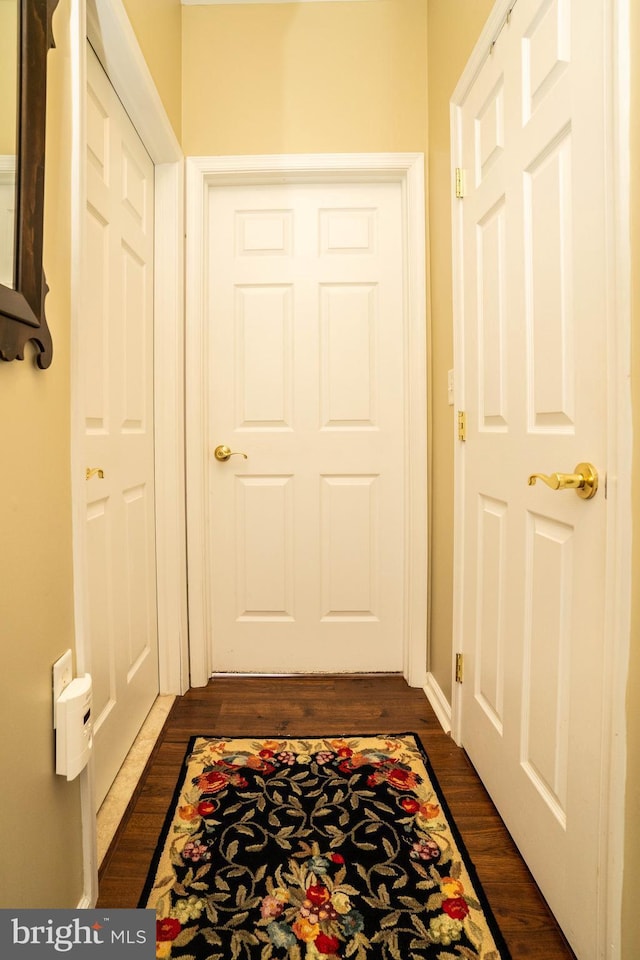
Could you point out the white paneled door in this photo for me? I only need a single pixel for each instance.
(533, 296)
(305, 301)
(116, 359)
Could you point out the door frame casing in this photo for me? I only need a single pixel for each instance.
(619, 439)
(106, 25)
(205, 174)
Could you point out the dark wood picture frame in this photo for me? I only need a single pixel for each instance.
(22, 316)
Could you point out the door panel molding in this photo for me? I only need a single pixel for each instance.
(207, 173)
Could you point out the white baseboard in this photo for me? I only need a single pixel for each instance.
(88, 820)
(440, 704)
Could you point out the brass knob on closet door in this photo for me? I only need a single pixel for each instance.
(223, 453)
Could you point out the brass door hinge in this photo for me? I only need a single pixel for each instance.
(459, 183)
(462, 425)
(459, 667)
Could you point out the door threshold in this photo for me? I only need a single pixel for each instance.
(241, 675)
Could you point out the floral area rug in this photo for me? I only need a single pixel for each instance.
(315, 849)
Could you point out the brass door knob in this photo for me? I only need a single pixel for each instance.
(584, 481)
(223, 453)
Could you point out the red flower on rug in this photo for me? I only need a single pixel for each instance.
(215, 780)
(212, 782)
(327, 945)
(456, 908)
(402, 779)
(318, 894)
(167, 929)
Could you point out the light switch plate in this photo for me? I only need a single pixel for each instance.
(62, 677)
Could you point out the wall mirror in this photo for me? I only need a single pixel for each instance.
(25, 39)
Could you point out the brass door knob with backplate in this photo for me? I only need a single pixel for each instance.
(584, 481)
(223, 453)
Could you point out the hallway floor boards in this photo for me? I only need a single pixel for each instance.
(334, 706)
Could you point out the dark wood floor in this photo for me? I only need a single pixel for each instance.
(334, 705)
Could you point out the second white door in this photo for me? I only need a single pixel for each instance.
(305, 302)
(116, 358)
(534, 302)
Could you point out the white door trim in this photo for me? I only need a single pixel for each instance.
(106, 25)
(206, 173)
(618, 322)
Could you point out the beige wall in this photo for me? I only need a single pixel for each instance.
(8, 75)
(41, 863)
(454, 27)
(631, 915)
(311, 77)
(157, 25)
